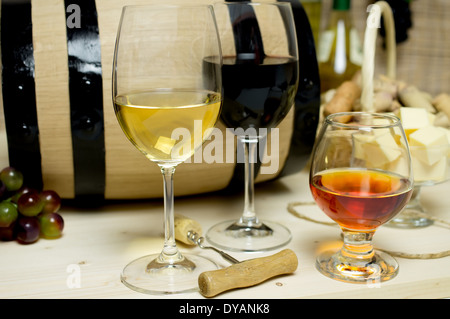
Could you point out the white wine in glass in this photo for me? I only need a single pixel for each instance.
(149, 119)
(167, 104)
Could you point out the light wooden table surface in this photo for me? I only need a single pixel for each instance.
(98, 243)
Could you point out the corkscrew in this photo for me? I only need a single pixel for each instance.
(199, 240)
(241, 273)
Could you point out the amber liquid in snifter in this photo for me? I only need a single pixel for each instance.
(360, 199)
(358, 195)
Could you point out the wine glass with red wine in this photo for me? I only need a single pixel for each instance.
(361, 177)
(260, 79)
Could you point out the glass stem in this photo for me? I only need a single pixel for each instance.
(250, 154)
(170, 253)
(358, 245)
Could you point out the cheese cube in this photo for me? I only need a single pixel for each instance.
(428, 144)
(413, 118)
(431, 118)
(378, 149)
(359, 140)
(428, 136)
(338, 150)
(430, 173)
(399, 166)
(447, 133)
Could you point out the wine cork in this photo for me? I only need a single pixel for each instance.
(247, 273)
(412, 97)
(183, 225)
(442, 103)
(342, 101)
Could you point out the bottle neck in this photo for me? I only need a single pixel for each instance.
(340, 12)
(340, 15)
(341, 5)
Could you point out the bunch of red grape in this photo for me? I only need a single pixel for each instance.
(27, 214)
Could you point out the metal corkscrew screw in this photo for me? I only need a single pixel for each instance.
(199, 240)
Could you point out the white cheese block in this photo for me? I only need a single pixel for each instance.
(338, 150)
(399, 166)
(359, 140)
(431, 118)
(413, 118)
(378, 149)
(447, 133)
(428, 144)
(430, 173)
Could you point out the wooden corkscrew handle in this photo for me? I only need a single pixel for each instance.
(247, 273)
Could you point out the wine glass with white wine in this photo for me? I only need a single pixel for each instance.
(160, 86)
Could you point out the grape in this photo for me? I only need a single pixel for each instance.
(28, 230)
(30, 204)
(20, 192)
(8, 233)
(25, 213)
(52, 225)
(52, 201)
(12, 178)
(8, 213)
(2, 189)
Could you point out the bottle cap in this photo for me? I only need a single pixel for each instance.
(341, 4)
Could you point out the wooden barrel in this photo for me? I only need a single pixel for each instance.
(57, 122)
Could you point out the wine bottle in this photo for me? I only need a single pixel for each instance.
(313, 9)
(402, 20)
(340, 52)
(247, 35)
(307, 99)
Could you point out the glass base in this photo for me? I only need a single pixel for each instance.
(382, 267)
(147, 275)
(412, 215)
(230, 235)
(408, 219)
